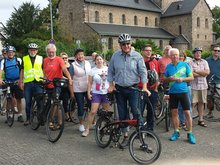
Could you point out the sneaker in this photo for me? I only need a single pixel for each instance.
(20, 119)
(27, 122)
(175, 136)
(81, 128)
(124, 143)
(191, 138)
(85, 133)
(210, 115)
(16, 109)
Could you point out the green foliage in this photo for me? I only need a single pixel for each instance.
(206, 53)
(216, 20)
(140, 43)
(188, 53)
(108, 54)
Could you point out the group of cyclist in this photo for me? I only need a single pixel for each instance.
(127, 70)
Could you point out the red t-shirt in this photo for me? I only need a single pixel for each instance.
(153, 64)
(53, 68)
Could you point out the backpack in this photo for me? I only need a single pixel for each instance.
(152, 75)
(12, 69)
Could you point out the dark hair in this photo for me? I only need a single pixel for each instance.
(78, 51)
(146, 46)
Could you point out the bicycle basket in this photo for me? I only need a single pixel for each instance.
(60, 82)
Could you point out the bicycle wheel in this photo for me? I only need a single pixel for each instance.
(10, 112)
(159, 107)
(73, 111)
(34, 119)
(145, 149)
(102, 132)
(55, 122)
(167, 117)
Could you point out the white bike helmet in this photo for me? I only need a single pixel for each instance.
(32, 46)
(124, 37)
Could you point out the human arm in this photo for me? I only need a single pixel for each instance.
(90, 79)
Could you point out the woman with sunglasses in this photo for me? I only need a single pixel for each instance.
(65, 93)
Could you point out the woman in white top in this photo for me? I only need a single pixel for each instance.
(97, 90)
(79, 70)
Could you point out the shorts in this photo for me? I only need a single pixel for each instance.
(17, 92)
(181, 98)
(99, 98)
(199, 96)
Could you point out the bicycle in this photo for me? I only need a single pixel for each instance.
(216, 98)
(165, 111)
(52, 112)
(144, 145)
(3, 100)
(10, 111)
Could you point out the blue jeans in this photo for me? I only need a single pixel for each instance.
(130, 96)
(150, 108)
(30, 89)
(180, 109)
(80, 97)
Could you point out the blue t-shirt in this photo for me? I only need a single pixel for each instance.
(181, 70)
(214, 66)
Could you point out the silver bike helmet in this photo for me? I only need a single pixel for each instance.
(124, 37)
(32, 46)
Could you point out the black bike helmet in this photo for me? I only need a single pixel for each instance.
(124, 37)
(152, 77)
(32, 46)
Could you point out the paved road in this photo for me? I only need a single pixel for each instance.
(22, 146)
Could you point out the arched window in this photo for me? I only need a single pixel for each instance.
(180, 29)
(146, 21)
(156, 21)
(135, 20)
(96, 16)
(123, 19)
(206, 23)
(110, 43)
(198, 22)
(110, 18)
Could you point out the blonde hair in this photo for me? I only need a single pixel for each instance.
(63, 54)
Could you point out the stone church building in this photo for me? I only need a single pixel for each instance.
(184, 24)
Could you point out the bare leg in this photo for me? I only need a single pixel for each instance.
(188, 120)
(175, 118)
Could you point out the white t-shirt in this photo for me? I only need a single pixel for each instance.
(100, 84)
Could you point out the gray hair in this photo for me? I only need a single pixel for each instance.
(174, 50)
(51, 46)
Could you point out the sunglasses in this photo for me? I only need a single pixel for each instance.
(128, 43)
(65, 58)
(216, 50)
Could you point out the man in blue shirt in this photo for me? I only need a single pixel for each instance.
(177, 74)
(126, 69)
(214, 66)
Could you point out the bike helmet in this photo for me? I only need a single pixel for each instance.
(197, 49)
(124, 37)
(32, 46)
(152, 77)
(10, 48)
(4, 49)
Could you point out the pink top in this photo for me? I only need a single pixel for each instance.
(199, 83)
(163, 62)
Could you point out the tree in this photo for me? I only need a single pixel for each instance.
(23, 20)
(216, 21)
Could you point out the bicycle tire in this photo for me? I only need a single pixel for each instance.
(145, 150)
(102, 132)
(72, 112)
(10, 112)
(159, 107)
(55, 122)
(167, 117)
(34, 119)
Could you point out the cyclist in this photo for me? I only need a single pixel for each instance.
(153, 81)
(11, 67)
(177, 74)
(126, 68)
(214, 63)
(54, 67)
(31, 71)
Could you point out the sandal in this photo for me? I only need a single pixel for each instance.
(85, 133)
(68, 119)
(184, 127)
(202, 123)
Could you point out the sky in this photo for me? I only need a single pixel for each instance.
(6, 6)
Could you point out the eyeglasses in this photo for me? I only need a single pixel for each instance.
(65, 58)
(147, 50)
(128, 43)
(216, 50)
